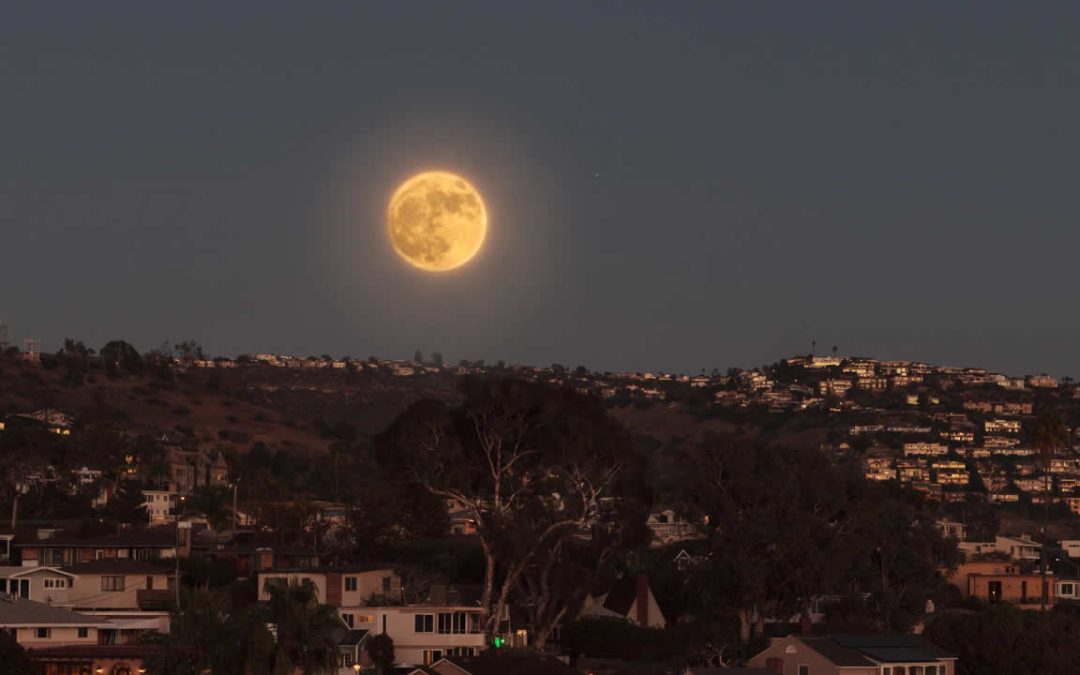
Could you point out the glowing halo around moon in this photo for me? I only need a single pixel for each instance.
(436, 221)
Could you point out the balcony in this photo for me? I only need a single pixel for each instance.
(154, 600)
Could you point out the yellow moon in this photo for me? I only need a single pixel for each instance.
(436, 221)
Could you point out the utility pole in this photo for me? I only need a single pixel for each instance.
(235, 485)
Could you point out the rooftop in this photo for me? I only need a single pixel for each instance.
(15, 611)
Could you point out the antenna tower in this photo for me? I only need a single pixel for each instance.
(32, 349)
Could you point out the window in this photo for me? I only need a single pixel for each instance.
(898, 670)
(350, 620)
(112, 583)
(425, 623)
(350, 583)
(1066, 589)
(84, 632)
(933, 670)
(149, 583)
(42, 633)
(54, 582)
(994, 591)
(451, 622)
(386, 585)
(804, 669)
(362, 619)
(461, 651)
(915, 670)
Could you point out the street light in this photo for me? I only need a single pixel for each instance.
(356, 667)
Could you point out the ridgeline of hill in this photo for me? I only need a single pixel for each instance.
(298, 409)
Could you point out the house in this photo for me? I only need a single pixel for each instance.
(343, 587)
(951, 528)
(1067, 590)
(351, 650)
(119, 585)
(251, 551)
(38, 625)
(93, 658)
(632, 599)
(159, 505)
(425, 633)
(499, 664)
(70, 548)
(668, 527)
(1020, 548)
(1071, 547)
(854, 655)
(1022, 590)
(987, 566)
(40, 584)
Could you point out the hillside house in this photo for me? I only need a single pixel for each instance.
(854, 655)
(37, 625)
(632, 599)
(68, 548)
(343, 587)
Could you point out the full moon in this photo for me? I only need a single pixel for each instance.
(436, 221)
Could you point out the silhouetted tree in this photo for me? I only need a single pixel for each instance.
(532, 464)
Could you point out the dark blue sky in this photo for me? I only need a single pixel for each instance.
(672, 186)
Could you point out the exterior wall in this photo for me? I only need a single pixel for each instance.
(410, 646)
(34, 556)
(60, 636)
(87, 592)
(369, 584)
(959, 576)
(316, 578)
(793, 654)
(38, 592)
(330, 586)
(1023, 590)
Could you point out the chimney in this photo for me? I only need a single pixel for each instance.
(806, 624)
(641, 585)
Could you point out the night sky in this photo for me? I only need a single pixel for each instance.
(672, 186)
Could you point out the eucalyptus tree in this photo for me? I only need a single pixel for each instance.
(535, 466)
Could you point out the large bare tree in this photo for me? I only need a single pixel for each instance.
(535, 466)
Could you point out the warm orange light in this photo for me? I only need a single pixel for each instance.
(437, 221)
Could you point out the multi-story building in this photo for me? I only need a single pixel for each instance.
(923, 449)
(1001, 426)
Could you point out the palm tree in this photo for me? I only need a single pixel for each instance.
(197, 641)
(380, 649)
(303, 633)
(1051, 434)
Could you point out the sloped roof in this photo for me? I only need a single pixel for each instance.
(8, 571)
(352, 638)
(892, 641)
(496, 664)
(836, 653)
(16, 611)
(118, 567)
(851, 649)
